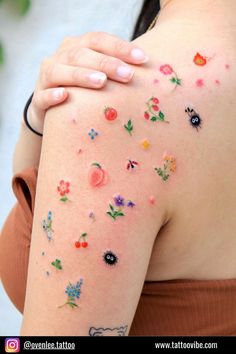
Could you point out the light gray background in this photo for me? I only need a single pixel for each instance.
(27, 40)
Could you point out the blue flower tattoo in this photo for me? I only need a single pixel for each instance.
(92, 134)
(73, 292)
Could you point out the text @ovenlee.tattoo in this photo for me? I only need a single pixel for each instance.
(122, 206)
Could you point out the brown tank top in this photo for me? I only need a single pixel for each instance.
(174, 307)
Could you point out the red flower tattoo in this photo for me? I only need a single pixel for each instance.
(63, 188)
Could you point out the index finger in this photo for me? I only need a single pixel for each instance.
(114, 46)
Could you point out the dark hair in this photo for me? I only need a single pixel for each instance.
(149, 11)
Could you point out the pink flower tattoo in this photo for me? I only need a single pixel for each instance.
(167, 70)
(63, 189)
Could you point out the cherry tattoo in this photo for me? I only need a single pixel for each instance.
(194, 118)
(110, 258)
(82, 241)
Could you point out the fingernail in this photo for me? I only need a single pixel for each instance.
(58, 93)
(139, 55)
(97, 78)
(125, 72)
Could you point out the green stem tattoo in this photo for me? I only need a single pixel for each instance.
(114, 213)
(155, 115)
(129, 127)
(169, 166)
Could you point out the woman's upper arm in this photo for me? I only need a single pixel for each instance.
(99, 206)
(107, 172)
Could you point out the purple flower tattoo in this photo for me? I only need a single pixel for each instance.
(119, 201)
(130, 204)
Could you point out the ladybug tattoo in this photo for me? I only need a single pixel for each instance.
(110, 258)
(194, 118)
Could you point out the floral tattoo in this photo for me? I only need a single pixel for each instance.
(73, 292)
(129, 127)
(153, 112)
(167, 70)
(92, 134)
(82, 241)
(57, 264)
(120, 203)
(114, 213)
(169, 166)
(47, 226)
(63, 189)
(145, 144)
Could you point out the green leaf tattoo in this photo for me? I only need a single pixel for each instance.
(129, 127)
(114, 213)
(57, 264)
(175, 80)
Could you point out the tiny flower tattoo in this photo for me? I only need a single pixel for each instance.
(92, 133)
(57, 264)
(110, 113)
(194, 118)
(153, 112)
(91, 215)
(130, 204)
(110, 258)
(166, 69)
(145, 144)
(129, 127)
(169, 166)
(117, 210)
(63, 189)
(119, 200)
(73, 292)
(82, 241)
(47, 226)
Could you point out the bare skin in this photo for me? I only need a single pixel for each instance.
(189, 233)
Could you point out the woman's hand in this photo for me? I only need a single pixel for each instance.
(85, 61)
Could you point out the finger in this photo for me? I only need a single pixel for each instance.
(115, 69)
(59, 74)
(109, 44)
(43, 99)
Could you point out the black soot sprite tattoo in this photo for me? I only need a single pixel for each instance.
(110, 258)
(194, 118)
